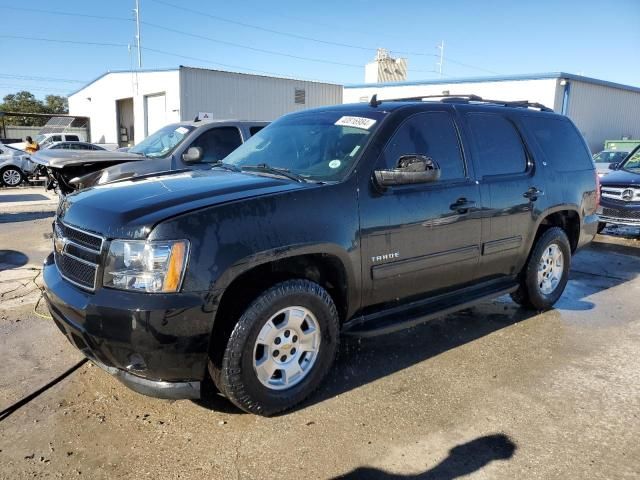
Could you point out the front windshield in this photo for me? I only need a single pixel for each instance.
(162, 142)
(319, 147)
(609, 157)
(632, 163)
(40, 138)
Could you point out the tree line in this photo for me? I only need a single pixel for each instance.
(26, 102)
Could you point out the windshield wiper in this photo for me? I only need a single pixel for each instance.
(226, 166)
(283, 172)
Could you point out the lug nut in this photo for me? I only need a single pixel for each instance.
(276, 353)
(293, 351)
(283, 358)
(287, 333)
(295, 338)
(277, 341)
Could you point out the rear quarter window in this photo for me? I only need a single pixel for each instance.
(561, 143)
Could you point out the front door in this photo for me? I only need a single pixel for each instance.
(421, 238)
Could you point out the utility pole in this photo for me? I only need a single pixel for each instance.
(137, 12)
(441, 62)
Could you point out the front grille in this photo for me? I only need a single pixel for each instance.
(621, 213)
(81, 237)
(76, 271)
(77, 254)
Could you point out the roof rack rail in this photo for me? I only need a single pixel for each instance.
(464, 98)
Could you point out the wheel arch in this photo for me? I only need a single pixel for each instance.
(327, 265)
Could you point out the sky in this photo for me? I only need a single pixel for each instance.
(43, 50)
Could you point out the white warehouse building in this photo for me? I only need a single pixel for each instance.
(601, 110)
(126, 106)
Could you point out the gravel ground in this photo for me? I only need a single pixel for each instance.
(491, 392)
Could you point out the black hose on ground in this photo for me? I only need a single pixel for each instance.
(23, 401)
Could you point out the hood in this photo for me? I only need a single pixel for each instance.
(620, 177)
(123, 171)
(130, 208)
(64, 158)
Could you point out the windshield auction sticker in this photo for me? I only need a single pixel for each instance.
(356, 122)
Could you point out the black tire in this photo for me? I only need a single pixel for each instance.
(529, 293)
(11, 172)
(236, 377)
(601, 226)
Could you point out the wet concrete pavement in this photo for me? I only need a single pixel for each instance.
(491, 392)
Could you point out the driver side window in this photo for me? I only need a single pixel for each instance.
(217, 143)
(432, 134)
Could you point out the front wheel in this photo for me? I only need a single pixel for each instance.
(11, 176)
(546, 273)
(281, 349)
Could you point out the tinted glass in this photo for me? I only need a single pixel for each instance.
(561, 142)
(498, 144)
(56, 138)
(432, 134)
(254, 130)
(73, 138)
(632, 164)
(321, 146)
(217, 143)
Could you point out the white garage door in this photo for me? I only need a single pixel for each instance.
(156, 113)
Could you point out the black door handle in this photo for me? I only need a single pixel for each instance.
(462, 205)
(533, 193)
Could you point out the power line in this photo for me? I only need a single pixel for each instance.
(226, 65)
(75, 42)
(67, 14)
(38, 79)
(247, 47)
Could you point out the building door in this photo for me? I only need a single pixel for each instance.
(125, 122)
(155, 113)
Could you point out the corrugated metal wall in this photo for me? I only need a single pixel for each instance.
(539, 90)
(603, 113)
(248, 97)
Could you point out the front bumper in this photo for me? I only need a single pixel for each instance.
(619, 212)
(156, 344)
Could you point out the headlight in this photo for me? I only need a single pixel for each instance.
(156, 267)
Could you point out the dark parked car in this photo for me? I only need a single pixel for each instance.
(178, 146)
(620, 189)
(74, 146)
(361, 219)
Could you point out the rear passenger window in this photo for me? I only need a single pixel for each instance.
(561, 143)
(73, 138)
(498, 145)
(432, 134)
(254, 130)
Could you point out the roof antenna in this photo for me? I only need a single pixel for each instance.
(197, 119)
(374, 102)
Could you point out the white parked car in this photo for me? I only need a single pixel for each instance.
(15, 165)
(46, 139)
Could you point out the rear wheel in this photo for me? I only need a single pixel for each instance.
(547, 271)
(11, 176)
(281, 348)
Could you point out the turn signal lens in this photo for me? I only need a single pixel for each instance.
(177, 260)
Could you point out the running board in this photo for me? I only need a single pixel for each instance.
(381, 323)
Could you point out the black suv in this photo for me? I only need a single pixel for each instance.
(356, 219)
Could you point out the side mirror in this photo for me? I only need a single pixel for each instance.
(613, 166)
(193, 155)
(411, 169)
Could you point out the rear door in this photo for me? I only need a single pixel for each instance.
(418, 239)
(512, 188)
